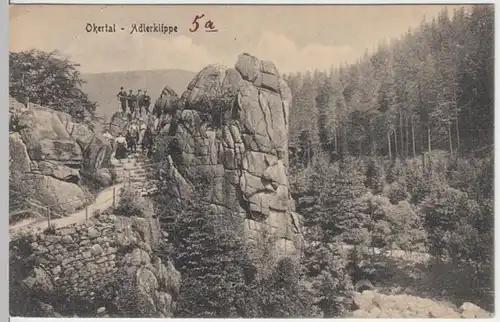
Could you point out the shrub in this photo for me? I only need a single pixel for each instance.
(396, 192)
(406, 227)
(130, 204)
(283, 293)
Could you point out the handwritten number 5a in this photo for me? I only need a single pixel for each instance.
(209, 25)
(195, 23)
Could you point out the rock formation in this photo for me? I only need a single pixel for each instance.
(167, 103)
(118, 124)
(231, 127)
(50, 155)
(86, 262)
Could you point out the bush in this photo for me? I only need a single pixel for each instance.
(396, 192)
(407, 227)
(283, 293)
(130, 204)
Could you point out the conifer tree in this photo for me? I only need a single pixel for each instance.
(211, 258)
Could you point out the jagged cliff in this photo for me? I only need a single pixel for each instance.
(231, 127)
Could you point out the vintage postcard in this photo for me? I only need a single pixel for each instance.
(251, 161)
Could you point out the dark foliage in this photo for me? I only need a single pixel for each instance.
(49, 80)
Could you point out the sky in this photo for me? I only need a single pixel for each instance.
(296, 38)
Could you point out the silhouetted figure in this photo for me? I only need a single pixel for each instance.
(147, 141)
(134, 130)
(131, 102)
(139, 104)
(142, 130)
(146, 101)
(122, 97)
(131, 142)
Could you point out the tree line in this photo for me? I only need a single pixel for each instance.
(430, 89)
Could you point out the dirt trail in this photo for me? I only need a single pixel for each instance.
(103, 201)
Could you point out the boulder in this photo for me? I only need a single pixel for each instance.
(39, 282)
(47, 138)
(104, 177)
(118, 124)
(167, 101)
(231, 128)
(471, 311)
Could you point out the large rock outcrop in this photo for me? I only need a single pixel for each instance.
(50, 155)
(231, 127)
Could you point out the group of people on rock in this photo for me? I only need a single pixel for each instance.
(137, 133)
(134, 102)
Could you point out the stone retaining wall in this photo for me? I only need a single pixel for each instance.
(80, 261)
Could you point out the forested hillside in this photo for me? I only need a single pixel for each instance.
(430, 89)
(395, 152)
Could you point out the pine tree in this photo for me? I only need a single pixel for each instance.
(375, 178)
(212, 261)
(332, 286)
(343, 214)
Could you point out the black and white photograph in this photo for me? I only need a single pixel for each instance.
(251, 161)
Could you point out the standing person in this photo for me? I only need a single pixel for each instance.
(134, 133)
(139, 103)
(122, 97)
(131, 142)
(142, 130)
(147, 101)
(131, 102)
(121, 146)
(147, 141)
